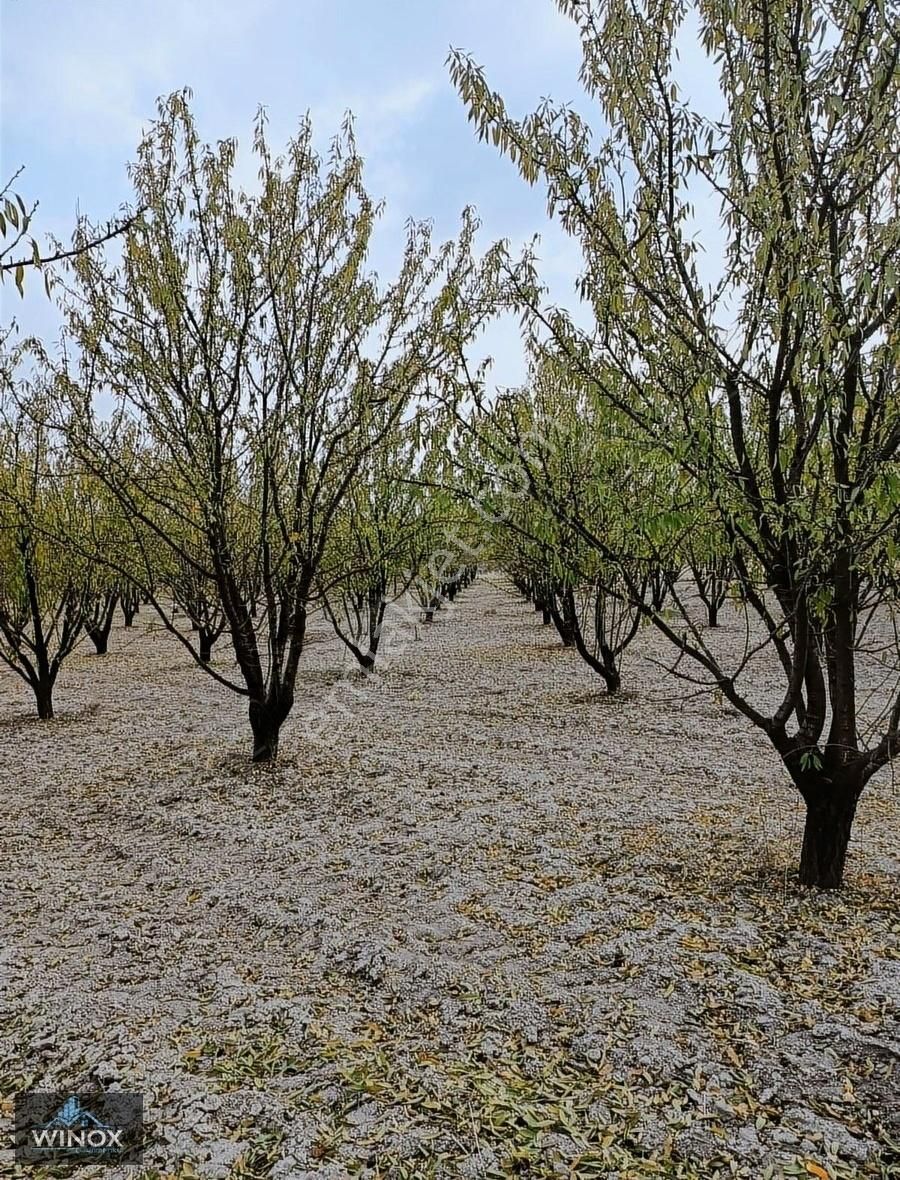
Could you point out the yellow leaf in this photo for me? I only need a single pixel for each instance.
(696, 942)
(816, 1170)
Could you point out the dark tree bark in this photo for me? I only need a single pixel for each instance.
(99, 623)
(27, 640)
(43, 695)
(130, 607)
(197, 597)
(562, 612)
(604, 661)
(207, 639)
(659, 583)
(266, 720)
(434, 605)
(826, 837)
(369, 614)
(712, 582)
(100, 639)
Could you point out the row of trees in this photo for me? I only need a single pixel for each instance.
(238, 402)
(244, 342)
(264, 412)
(71, 557)
(637, 544)
(748, 400)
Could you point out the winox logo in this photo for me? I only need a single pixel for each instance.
(74, 1128)
(103, 1128)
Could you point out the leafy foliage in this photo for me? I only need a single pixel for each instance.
(770, 389)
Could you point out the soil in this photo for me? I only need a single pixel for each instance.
(479, 919)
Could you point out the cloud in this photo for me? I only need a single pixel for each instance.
(404, 101)
(90, 77)
(80, 82)
(378, 114)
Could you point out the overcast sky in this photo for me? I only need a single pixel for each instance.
(80, 78)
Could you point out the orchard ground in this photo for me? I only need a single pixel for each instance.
(490, 923)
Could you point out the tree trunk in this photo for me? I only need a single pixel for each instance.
(829, 820)
(99, 636)
(546, 617)
(131, 605)
(43, 695)
(564, 621)
(266, 720)
(606, 664)
(367, 659)
(206, 642)
(712, 614)
(98, 627)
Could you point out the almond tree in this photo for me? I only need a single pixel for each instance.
(768, 377)
(102, 541)
(376, 554)
(42, 581)
(130, 601)
(20, 252)
(100, 610)
(197, 595)
(553, 476)
(251, 352)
